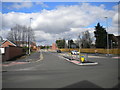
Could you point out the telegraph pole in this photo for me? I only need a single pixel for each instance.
(29, 37)
(79, 46)
(107, 36)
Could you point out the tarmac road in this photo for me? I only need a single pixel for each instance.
(55, 72)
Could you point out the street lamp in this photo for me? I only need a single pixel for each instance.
(107, 35)
(29, 37)
(79, 39)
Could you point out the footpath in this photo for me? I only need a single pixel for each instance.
(23, 60)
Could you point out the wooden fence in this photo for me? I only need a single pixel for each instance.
(11, 53)
(104, 51)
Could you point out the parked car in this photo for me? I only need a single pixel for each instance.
(58, 51)
(74, 52)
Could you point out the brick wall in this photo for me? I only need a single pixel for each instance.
(11, 53)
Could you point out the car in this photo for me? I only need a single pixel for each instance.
(74, 52)
(58, 51)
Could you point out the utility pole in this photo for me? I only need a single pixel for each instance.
(79, 46)
(29, 37)
(107, 36)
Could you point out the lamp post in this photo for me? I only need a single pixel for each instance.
(107, 36)
(79, 39)
(29, 38)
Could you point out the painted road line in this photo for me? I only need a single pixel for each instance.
(41, 57)
(82, 64)
(30, 68)
(96, 57)
(116, 57)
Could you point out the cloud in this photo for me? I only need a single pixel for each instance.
(19, 5)
(48, 38)
(42, 4)
(116, 19)
(16, 0)
(4, 33)
(61, 19)
(64, 21)
(65, 17)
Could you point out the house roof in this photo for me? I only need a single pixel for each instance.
(8, 41)
(24, 42)
(118, 37)
(114, 38)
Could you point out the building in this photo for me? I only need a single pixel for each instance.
(118, 38)
(114, 41)
(21, 43)
(25, 44)
(54, 46)
(7, 43)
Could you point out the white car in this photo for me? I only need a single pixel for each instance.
(74, 52)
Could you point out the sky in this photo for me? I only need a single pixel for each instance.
(54, 20)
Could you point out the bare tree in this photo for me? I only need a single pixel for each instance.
(86, 39)
(21, 33)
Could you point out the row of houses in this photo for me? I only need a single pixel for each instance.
(8, 43)
(11, 50)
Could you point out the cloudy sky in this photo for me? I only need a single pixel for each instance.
(54, 20)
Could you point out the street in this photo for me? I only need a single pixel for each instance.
(53, 71)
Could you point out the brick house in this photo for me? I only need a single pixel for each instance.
(54, 46)
(10, 50)
(25, 44)
(114, 41)
(7, 43)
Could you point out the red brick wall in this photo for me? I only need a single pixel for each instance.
(12, 52)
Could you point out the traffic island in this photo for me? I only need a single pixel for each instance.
(88, 63)
(81, 61)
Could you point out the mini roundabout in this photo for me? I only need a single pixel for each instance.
(79, 61)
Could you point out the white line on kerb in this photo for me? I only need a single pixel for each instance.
(41, 57)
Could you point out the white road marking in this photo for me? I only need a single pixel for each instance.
(41, 57)
(96, 57)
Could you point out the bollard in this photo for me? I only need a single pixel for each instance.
(82, 58)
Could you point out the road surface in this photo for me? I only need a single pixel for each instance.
(52, 71)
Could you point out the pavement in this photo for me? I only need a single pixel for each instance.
(34, 57)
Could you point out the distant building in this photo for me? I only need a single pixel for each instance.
(73, 45)
(25, 44)
(54, 46)
(114, 41)
(21, 43)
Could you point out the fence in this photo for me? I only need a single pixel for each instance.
(104, 51)
(11, 53)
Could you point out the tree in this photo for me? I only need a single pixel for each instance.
(101, 36)
(71, 44)
(86, 40)
(21, 33)
(60, 43)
